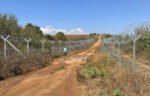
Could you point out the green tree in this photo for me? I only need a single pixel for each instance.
(8, 24)
(92, 35)
(61, 36)
(49, 37)
(32, 31)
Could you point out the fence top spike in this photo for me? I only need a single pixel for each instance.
(42, 41)
(4, 37)
(27, 40)
(52, 41)
(138, 37)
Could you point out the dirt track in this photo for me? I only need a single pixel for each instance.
(137, 63)
(44, 83)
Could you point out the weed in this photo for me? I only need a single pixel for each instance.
(59, 68)
(101, 93)
(118, 93)
(90, 72)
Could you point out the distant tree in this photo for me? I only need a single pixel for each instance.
(8, 24)
(107, 35)
(49, 37)
(61, 36)
(91, 35)
(32, 31)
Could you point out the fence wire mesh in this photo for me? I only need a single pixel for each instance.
(15, 46)
(135, 56)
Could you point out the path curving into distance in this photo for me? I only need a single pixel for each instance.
(44, 83)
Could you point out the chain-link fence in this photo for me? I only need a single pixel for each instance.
(20, 46)
(130, 48)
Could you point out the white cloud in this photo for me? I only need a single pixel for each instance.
(52, 31)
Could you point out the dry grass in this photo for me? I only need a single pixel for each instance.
(113, 80)
(77, 37)
(17, 66)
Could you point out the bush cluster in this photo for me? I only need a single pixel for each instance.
(90, 72)
(17, 66)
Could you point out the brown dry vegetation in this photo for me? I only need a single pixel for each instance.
(18, 65)
(111, 79)
(77, 37)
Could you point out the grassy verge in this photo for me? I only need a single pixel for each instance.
(103, 76)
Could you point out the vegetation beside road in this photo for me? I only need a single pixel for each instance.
(103, 76)
(18, 66)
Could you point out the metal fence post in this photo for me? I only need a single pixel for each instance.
(27, 44)
(134, 53)
(133, 66)
(42, 41)
(5, 46)
(119, 52)
(5, 40)
(52, 46)
(60, 45)
(76, 44)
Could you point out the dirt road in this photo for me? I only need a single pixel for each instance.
(137, 63)
(45, 82)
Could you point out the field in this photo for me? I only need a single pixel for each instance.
(77, 37)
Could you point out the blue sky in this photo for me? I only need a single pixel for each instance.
(101, 16)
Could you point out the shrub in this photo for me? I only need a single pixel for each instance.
(118, 93)
(61, 36)
(102, 93)
(90, 72)
(17, 66)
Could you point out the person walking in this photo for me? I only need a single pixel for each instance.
(65, 51)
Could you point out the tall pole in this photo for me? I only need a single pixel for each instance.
(119, 52)
(5, 46)
(42, 41)
(5, 50)
(133, 66)
(27, 45)
(52, 46)
(60, 45)
(134, 52)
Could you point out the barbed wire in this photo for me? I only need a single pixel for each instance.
(28, 45)
(130, 34)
